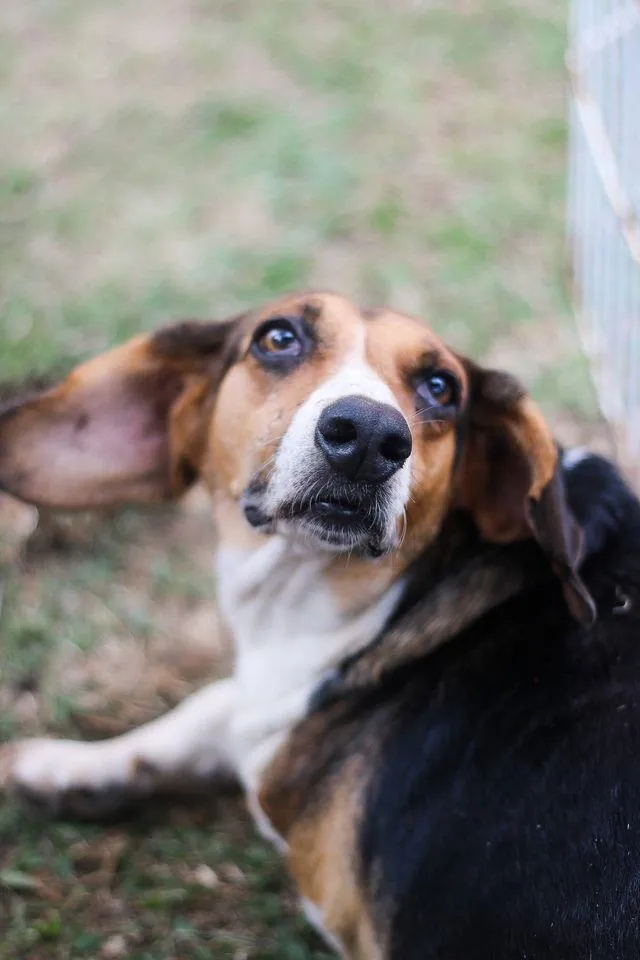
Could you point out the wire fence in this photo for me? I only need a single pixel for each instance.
(603, 62)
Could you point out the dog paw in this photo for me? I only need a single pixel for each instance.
(65, 778)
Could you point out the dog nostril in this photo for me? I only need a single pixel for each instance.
(363, 439)
(395, 447)
(339, 430)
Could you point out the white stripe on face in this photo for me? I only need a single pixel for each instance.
(298, 461)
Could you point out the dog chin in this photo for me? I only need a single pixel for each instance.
(334, 524)
(316, 535)
(364, 540)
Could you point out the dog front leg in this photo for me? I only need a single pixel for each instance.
(93, 780)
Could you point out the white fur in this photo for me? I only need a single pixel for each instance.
(298, 458)
(316, 919)
(289, 632)
(192, 740)
(571, 458)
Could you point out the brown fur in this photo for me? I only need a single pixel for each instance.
(509, 457)
(476, 587)
(396, 348)
(193, 401)
(253, 412)
(105, 434)
(313, 794)
(355, 583)
(143, 422)
(323, 858)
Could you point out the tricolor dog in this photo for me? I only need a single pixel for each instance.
(435, 707)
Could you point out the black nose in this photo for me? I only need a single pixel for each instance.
(362, 439)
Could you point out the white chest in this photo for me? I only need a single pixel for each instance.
(289, 631)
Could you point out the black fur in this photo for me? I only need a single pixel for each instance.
(503, 819)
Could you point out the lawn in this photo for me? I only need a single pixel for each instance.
(191, 157)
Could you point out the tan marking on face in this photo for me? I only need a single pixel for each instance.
(395, 345)
(142, 422)
(255, 407)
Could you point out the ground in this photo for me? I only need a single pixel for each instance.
(191, 157)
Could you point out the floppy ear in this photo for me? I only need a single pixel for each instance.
(129, 426)
(511, 481)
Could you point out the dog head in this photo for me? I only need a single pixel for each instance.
(341, 430)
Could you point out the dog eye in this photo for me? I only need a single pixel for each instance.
(437, 388)
(278, 339)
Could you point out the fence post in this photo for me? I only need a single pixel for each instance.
(603, 216)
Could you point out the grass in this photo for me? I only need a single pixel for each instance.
(171, 159)
(168, 885)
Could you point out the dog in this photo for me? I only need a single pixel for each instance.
(435, 708)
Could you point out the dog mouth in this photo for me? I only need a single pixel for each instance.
(348, 522)
(338, 511)
(340, 517)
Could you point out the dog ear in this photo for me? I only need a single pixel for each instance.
(510, 480)
(129, 426)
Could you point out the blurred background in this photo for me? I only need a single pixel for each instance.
(184, 157)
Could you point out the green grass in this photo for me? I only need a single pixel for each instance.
(68, 891)
(169, 159)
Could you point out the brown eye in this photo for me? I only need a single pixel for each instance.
(278, 339)
(281, 343)
(438, 389)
